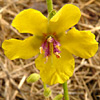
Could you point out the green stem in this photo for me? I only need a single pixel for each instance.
(49, 5)
(44, 85)
(66, 96)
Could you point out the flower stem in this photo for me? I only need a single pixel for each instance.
(49, 5)
(44, 85)
(66, 96)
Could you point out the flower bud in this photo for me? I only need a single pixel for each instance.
(33, 78)
(51, 14)
(58, 97)
(47, 92)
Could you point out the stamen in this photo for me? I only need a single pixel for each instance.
(41, 50)
(47, 50)
(50, 45)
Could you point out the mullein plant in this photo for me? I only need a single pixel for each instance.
(54, 46)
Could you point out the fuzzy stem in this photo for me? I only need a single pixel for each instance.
(49, 5)
(66, 96)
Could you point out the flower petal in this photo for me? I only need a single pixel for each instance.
(55, 70)
(25, 49)
(30, 21)
(80, 43)
(66, 17)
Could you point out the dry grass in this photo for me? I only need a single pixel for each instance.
(85, 83)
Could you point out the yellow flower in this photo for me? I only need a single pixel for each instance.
(55, 62)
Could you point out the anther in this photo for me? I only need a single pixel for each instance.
(58, 55)
(50, 39)
(58, 47)
(41, 50)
